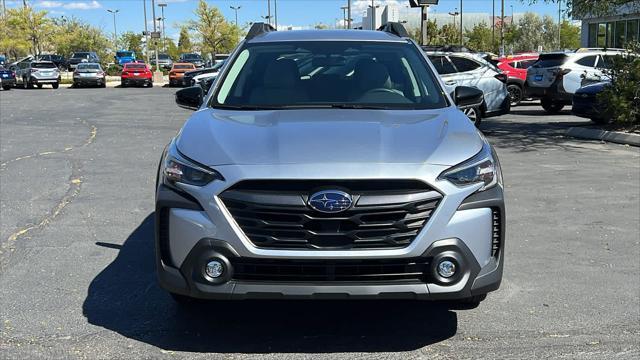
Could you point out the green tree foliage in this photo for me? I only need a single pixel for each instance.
(479, 37)
(216, 34)
(579, 8)
(184, 41)
(569, 35)
(132, 41)
(30, 27)
(13, 43)
(75, 35)
(172, 49)
(622, 99)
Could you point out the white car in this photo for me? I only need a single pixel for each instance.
(202, 77)
(470, 69)
(556, 76)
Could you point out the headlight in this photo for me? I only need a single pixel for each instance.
(179, 169)
(482, 168)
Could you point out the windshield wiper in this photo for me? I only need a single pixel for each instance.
(246, 107)
(359, 106)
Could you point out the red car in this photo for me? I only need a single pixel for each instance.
(136, 74)
(515, 67)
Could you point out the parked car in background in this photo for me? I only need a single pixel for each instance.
(136, 74)
(585, 103)
(82, 56)
(190, 76)
(176, 75)
(164, 61)
(124, 57)
(59, 60)
(556, 76)
(469, 69)
(7, 78)
(515, 67)
(3, 60)
(195, 59)
(38, 73)
(220, 58)
(89, 74)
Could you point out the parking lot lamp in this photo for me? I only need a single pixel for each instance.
(115, 30)
(164, 33)
(236, 8)
(157, 75)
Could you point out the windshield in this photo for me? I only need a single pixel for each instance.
(191, 56)
(124, 54)
(88, 67)
(135, 66)
(163, 56)
(42, 65)
(290, 74)
(81, 55)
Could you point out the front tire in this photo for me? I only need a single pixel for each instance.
(39, 86)
(26, 84)
(550, 106)
(515, 94)
(55, 85)
(474, 115)
(6, 87)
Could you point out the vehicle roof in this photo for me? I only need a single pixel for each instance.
(326, 35)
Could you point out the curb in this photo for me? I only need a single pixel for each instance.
(603, 135)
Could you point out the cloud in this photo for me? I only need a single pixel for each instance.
(74, 5)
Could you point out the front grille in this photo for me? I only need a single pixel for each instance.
(387, 270)
(385, 215)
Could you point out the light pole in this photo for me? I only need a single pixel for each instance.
(502, 28)
(164, 34)
(373, 14)
(268, 12)
(157, 75)
(115, 31)
(236, 8)
(559, 22)
(454, 14)
(146, 31)
(348, 14)
(267, 18)
(344, 16)
(461, 36)
(493, 25)
(275, 11)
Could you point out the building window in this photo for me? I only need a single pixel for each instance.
(602, 32)
(633, 30)
(593, 35)
(619, 38)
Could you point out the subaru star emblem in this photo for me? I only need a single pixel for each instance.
(330, 201)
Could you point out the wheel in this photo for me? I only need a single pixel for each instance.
(6, 87)
(103, 85)
(551, 107)
(39, 86)
(150, 84)
(474, 115)
(26, 84)
(122, 84)
(55, 85)
(515, 94)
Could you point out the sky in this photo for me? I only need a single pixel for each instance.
(297, 13)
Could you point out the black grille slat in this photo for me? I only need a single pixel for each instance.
(404, 270)
(294, 225)
(496, 232)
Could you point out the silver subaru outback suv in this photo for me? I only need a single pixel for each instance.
(329, 164)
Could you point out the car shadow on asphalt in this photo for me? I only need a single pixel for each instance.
(125, 298)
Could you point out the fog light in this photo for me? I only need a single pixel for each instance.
(214, 269)
(446, 268)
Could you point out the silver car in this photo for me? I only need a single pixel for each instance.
(329, 164)
(471, 69)
(89, 74)
(38, 73)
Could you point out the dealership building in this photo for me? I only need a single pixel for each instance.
(612, 31)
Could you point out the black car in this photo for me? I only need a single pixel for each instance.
(585, 103)
(7, 78)
(195, 59)
(59, 60)
(82, 56)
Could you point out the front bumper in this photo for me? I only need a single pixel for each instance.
(191, 230)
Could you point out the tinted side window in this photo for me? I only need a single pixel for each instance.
(442, 65)
(525, 64)
(463, 64)
(589, 61)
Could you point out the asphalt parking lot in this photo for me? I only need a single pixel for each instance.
(77, 171)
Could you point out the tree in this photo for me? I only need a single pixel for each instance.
(75, 35)
(528, 35)
(216, 34)
(579, 8)
(549, 34)
(448, 35)
(184, 42)
(31, 26)
(569, 35)
(172, 49)
(479, 37)
(132, 41)
(12, 42)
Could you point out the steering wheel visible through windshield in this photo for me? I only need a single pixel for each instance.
(310, 74)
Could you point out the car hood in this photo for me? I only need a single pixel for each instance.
(593, 88)
(215, 137)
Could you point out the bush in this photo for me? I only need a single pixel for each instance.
(622, 99)
(113, 70)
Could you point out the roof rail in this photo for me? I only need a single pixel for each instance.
(258, 29)
(394, 28)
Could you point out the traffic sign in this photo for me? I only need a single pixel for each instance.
(421, 3)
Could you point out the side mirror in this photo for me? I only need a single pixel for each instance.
(467, 97)
(190, 98)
